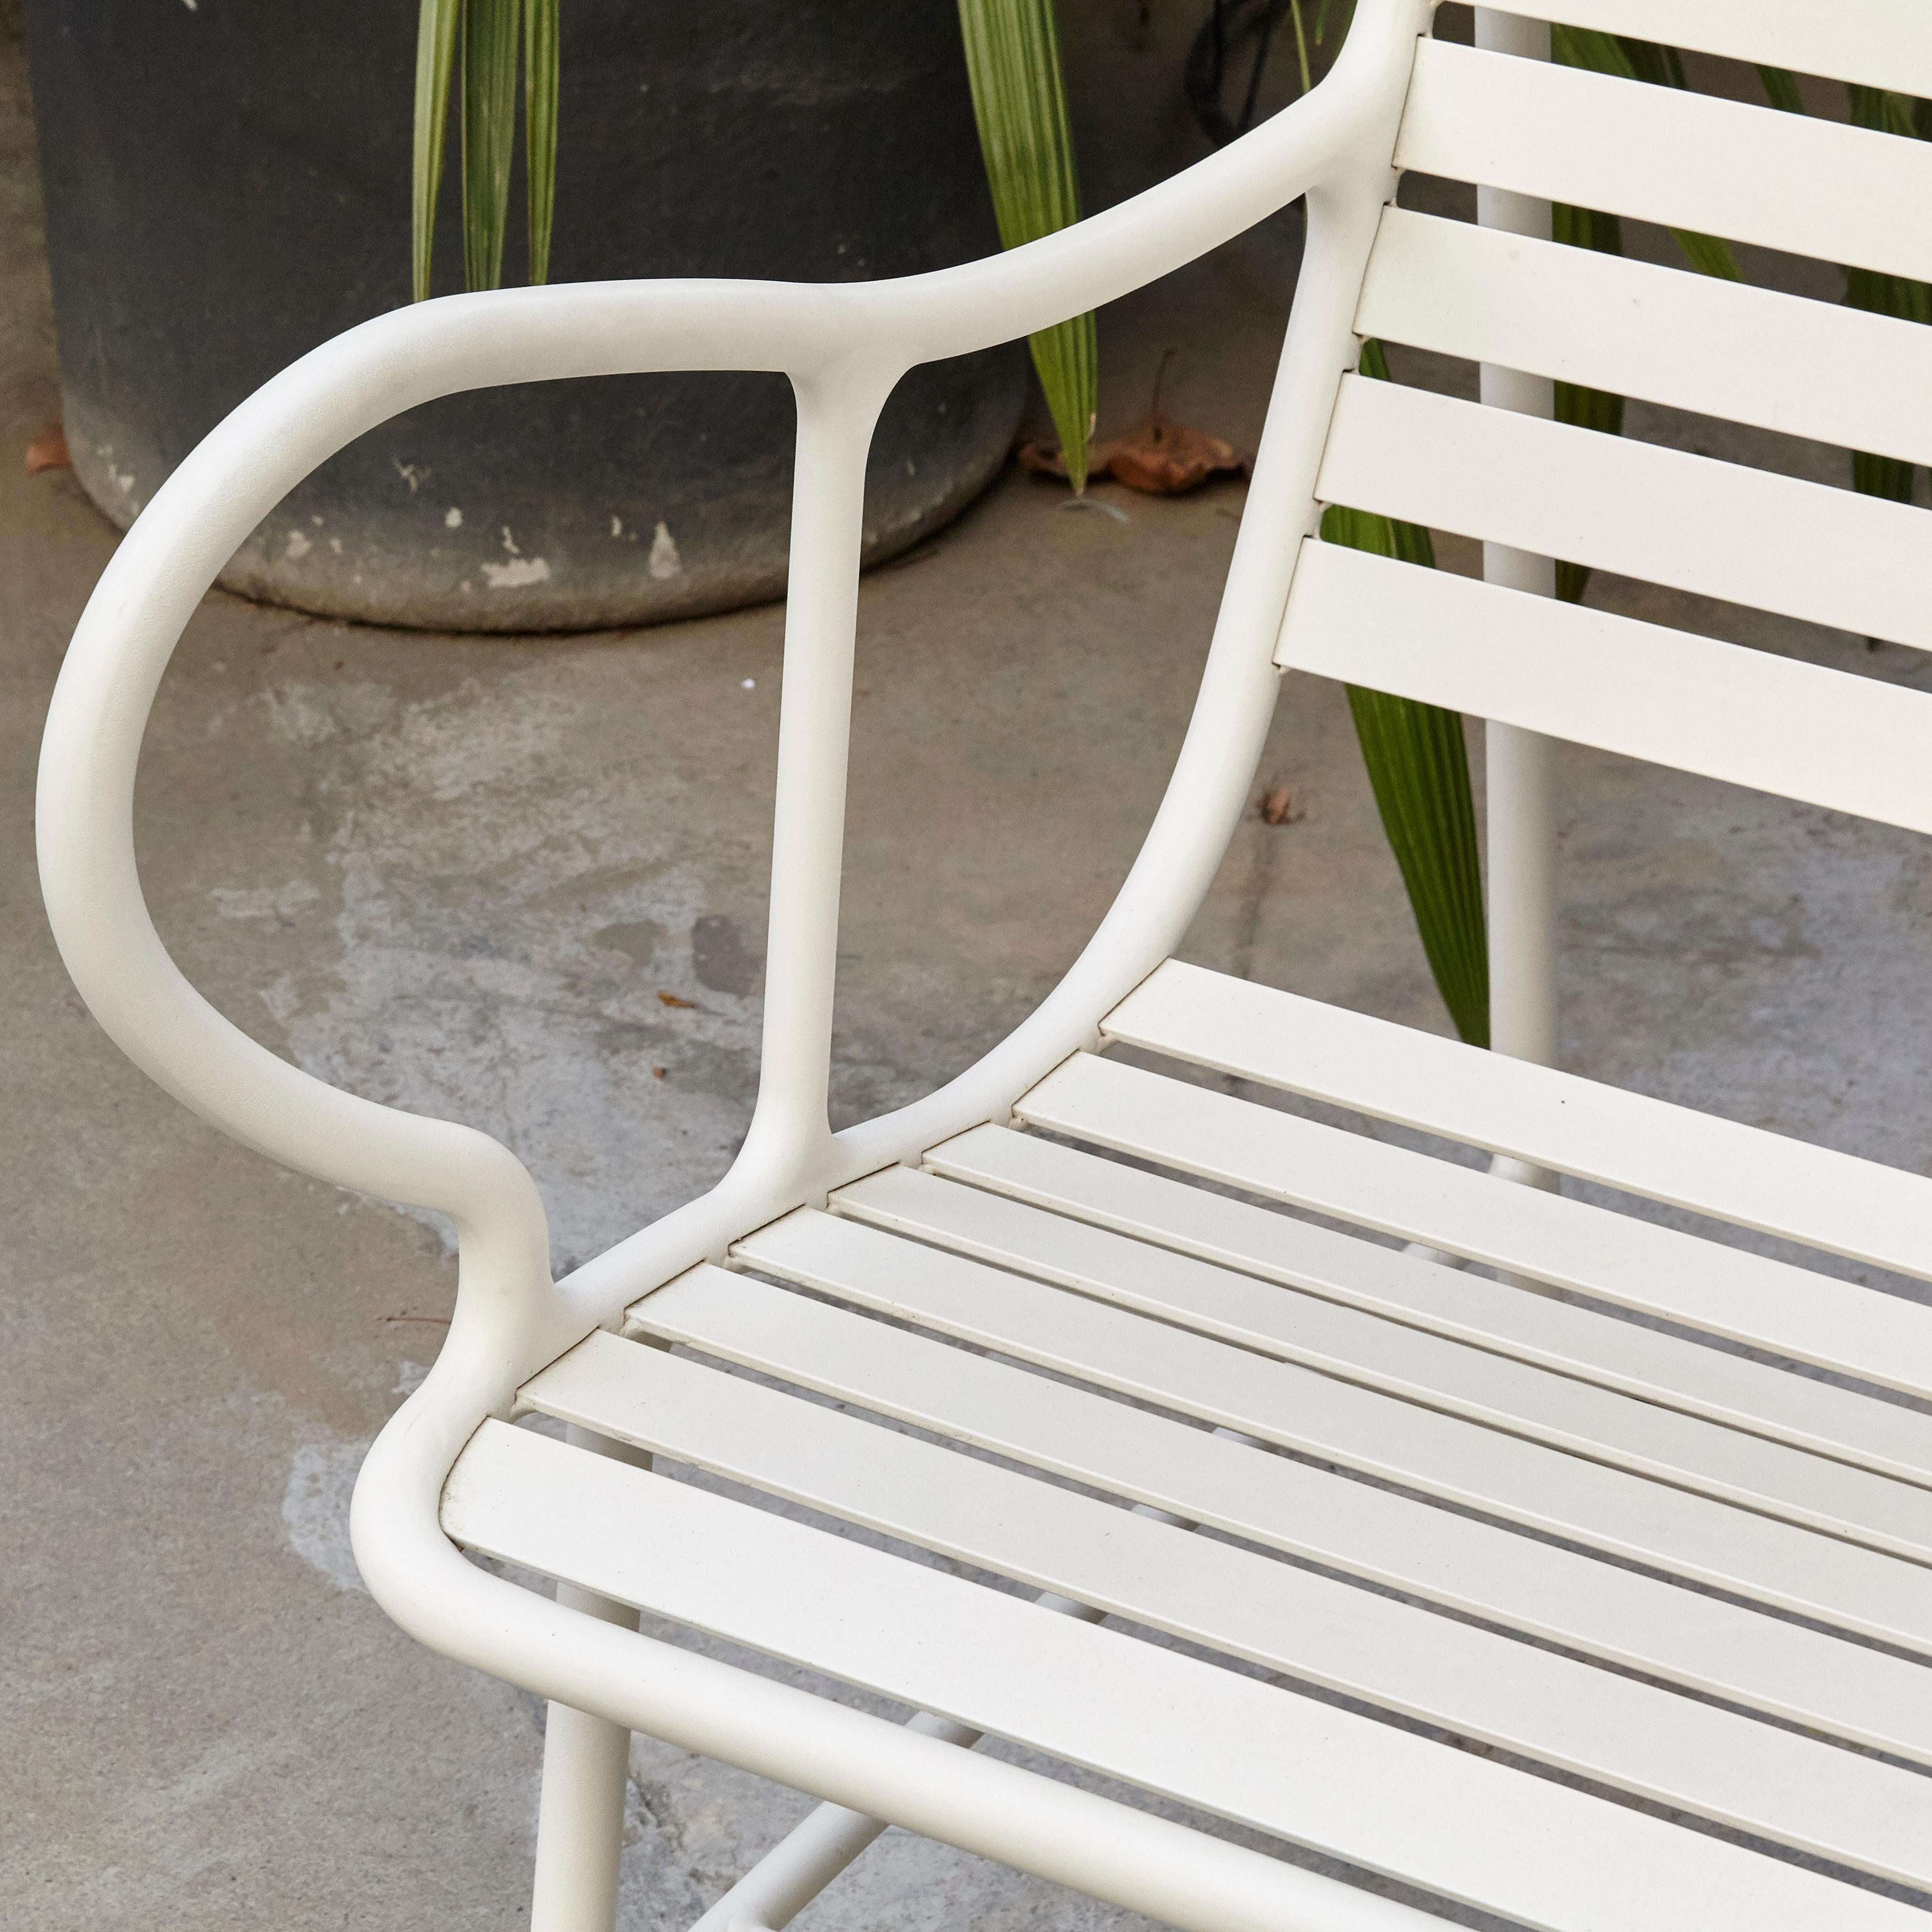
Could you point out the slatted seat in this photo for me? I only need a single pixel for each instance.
(1233, 1332)
(1567, 1559)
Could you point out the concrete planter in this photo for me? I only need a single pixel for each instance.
(226, 187)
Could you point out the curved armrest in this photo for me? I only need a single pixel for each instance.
(843, 345)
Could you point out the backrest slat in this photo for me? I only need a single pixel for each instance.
(1782, 181)
(1850, 744)
(1881, 43)
(1690, 342)
(1824, 555)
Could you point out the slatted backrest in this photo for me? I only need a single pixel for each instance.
(1809, 368)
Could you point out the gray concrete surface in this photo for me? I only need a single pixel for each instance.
(456, 874)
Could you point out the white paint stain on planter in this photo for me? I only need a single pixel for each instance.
(517, 572)
(297, 548)
(452, 518)
(123, 480)
(664, 561)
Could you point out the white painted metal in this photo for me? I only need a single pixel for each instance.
(1629, 1141)
(1212, 1738)
(1883, 43)
(585, 1773)
(1515, 1582)
(1583, 1344)
(1531, 1702)
(1727, 712)
(580, 1805)
(1828, 556)
(1435, 1371)
(1609, 1257)
(812, 1855)
(1519, 794)
(1692, 342)
(1789, 182)
(1511, 1843)
(1842, 1584)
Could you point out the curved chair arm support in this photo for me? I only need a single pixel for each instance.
(843, 345)
(1335, 145)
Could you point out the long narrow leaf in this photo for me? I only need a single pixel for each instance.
(541, 60)
(1418, 767)
(490, 34)
(1584, 408)
(1898, 295)
(1019, 102)
(1781, 89)
(436, 52)
(1908, 301)
(1661, 67)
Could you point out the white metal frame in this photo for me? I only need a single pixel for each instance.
(844, 347)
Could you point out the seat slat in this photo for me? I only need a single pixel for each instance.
(1568, 1244)
(1576, 1341)
(1653, 1627)
(1753, 1556)
(1169, 1724)
(1881, 43)
(1439, 1373)
(1745, 717)
(1550, 1709)
(1689, 342)
(1722, 530)
(1748, 173)
(1631, 1141)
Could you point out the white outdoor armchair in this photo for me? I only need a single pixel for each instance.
(1646, 1643)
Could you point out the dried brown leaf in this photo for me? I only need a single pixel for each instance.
(672, 1000)
(1164, 458)
(48, 450)
(1160, 456)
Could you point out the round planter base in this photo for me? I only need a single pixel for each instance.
(473, 514)
(224, 192)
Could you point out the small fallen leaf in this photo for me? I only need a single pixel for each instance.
(1164, 458)
(48, 450)
(657, 1072)
(1278, 807)
(1160, 457)
(672, 1000)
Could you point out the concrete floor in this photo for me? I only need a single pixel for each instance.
(456, 875)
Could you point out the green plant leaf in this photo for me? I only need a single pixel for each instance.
(1886, 113)
(435, 52)
(541, 61)
(1781, 89)
(1656, 66)
(1418, 767)
(1627, 59)
(1583, 408)
(1019, 102)
(490, 34)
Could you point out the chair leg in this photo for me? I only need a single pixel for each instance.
(809, 1857)
(817, 1850)
(586, 1770)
